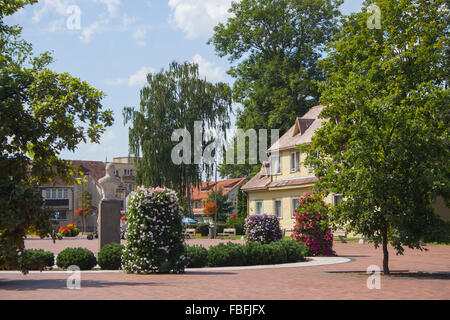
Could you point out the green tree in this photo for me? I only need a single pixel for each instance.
(223, 204)
(276, 45)
(386, 144)
(242, 204)
(175, 99)
(42, 113)
(85, 207)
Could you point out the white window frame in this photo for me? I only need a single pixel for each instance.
(294, 206)
(312, 167)
(296, 161)
(56, 194)
(280, 215)
(335, 196)
(256, 206)
(272, 164)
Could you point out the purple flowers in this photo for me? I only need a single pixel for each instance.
(262, 228)
(311, 227)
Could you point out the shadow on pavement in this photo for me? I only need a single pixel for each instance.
(51, 284)
(402, 274)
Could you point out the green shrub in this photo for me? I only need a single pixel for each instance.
(197, 256)
(81, 257)
(221, 226)
(255, 253)
(295, 251)
(230, 254)
(110, 256)
(237, 223)
(36, 259)
(202, 228)
(275, 252)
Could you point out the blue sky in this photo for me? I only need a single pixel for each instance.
(119, 41)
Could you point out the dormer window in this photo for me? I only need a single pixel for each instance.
(302, 125)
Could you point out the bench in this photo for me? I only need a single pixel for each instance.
(190, 233)
(227, 232)
(341, 235)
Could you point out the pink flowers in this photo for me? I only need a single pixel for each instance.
(311, 226)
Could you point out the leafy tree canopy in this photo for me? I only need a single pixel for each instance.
(175, 99)
(385, 147)
(42, 113)
(276, 46)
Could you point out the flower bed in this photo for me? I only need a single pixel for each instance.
(71, 230)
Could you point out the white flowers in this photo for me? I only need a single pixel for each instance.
(154, 236)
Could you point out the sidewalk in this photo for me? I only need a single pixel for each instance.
(315, 282)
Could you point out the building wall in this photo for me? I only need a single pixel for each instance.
(94, 189)
(286, 195)
(286, 173)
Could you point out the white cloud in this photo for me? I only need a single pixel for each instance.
(45, 6)
(111, 6)
(139, 78)
(56, 25)
(197, 18)
(127, 20)
(140, 35)
(88, 32)
(207, 69)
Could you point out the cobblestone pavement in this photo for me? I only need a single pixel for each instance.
(318, 282)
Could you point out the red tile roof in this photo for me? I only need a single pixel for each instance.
(205, 188)
(95, 169)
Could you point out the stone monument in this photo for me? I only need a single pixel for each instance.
(109, 213)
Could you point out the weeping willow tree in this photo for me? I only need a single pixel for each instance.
(175, 99)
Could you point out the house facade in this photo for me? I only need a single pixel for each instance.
(281, 181)
(63, 199)
(199, 195)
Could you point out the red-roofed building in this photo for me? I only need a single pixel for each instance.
(199, 195)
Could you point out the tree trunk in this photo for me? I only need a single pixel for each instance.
(188, 183)
(385, 252)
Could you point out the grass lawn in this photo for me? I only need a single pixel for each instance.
(238, 237)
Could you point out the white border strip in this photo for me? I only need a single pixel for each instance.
(313, 262)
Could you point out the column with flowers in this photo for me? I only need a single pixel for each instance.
(311, 225)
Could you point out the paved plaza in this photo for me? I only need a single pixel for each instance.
(428, 278)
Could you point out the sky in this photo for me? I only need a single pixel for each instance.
(113, 44)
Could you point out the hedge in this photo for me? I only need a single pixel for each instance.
(252, 253)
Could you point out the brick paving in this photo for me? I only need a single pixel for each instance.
(318, 282)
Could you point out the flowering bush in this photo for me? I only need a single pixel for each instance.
(71, 230)
(311, 226)
(155, 240)
(262, 228)
(210, 208)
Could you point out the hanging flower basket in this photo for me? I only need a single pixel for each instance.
(210, 208)
(80, 212)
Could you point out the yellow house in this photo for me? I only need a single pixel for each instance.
(281, 181)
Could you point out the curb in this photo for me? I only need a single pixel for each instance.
(312, 262)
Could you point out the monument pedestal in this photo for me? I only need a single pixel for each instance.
(109, 222)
